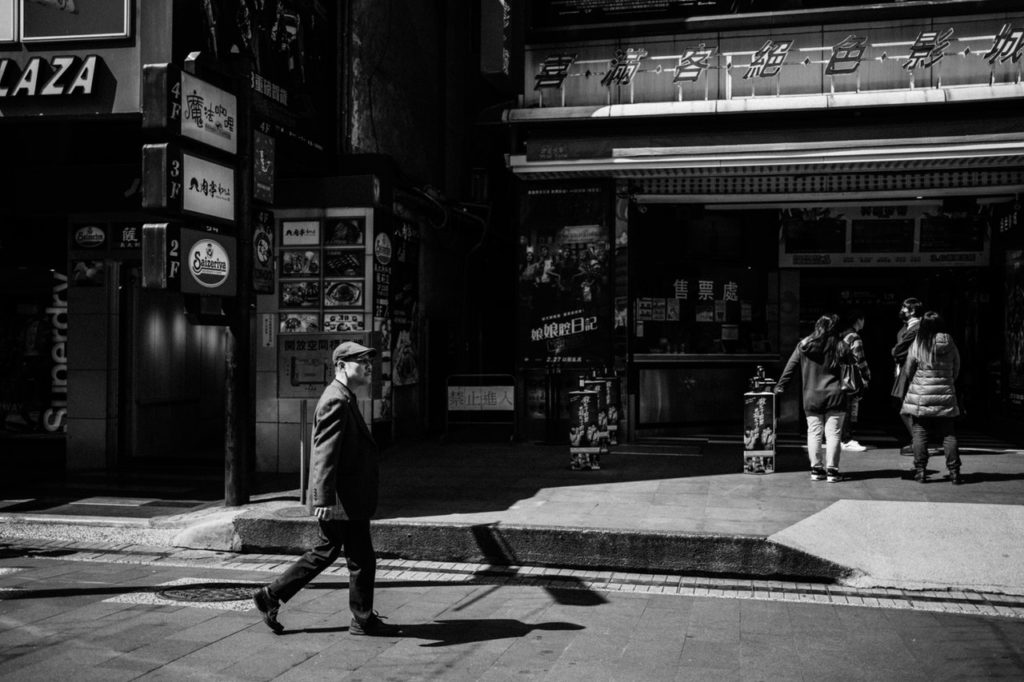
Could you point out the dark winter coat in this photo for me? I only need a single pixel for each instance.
(932, 391)
(343, 460)
(822, 387)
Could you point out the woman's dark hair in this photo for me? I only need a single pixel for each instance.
(824, 340)
(914, 305)
(853, 316)
(924, 343)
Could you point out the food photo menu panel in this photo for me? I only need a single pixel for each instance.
(324, 267)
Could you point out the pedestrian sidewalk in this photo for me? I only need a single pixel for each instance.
(682, 507)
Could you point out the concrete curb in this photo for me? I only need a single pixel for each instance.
(568, 547)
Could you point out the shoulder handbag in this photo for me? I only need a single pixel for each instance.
(852, 383)
(851, 380)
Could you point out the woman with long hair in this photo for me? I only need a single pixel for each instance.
(932, 365)
(818, 356)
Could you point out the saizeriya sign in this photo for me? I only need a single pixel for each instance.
(56, 76)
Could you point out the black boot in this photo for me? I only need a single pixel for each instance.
(921, 476)
(954, 478)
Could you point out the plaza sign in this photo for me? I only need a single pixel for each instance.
(61, 75)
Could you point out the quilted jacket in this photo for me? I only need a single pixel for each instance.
(932, 391)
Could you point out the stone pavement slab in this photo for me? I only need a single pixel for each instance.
(503, 627)
(918, 545)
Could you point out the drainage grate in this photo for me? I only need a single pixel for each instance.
(207, 593)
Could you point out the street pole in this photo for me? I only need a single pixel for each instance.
(239, 357)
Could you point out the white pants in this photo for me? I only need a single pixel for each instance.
(831, 423)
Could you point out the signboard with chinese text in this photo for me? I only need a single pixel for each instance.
(209, 188)
(852, 61)
(263, 164)
(186, 105)
(481, 398)
(888, 235)
(183, 183)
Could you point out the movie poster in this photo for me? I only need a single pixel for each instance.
(565, 295)
(1015, 328)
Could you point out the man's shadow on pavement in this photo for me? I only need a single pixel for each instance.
(459, 631)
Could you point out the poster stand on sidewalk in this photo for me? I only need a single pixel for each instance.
(759, 432)
(584, 438)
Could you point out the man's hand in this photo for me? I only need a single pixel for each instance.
(322, 512)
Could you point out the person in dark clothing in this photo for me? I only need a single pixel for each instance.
(343, 487)
(823, 399)
(855, 348)
(932, 367)
(910, 315)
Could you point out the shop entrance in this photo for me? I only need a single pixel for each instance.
(171, 381)
(960, 295)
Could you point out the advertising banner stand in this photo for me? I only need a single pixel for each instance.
(759, 428)
(600, 387)
(584, 441)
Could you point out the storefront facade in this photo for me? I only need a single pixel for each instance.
(102, 368)
(755, 174)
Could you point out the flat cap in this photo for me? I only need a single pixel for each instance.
(350, 350)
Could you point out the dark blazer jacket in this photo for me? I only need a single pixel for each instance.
(904, 338)
(343, 458)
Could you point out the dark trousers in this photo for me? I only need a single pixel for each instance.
(354, 538)
(935, 426)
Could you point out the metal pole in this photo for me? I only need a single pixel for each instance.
(302, 451)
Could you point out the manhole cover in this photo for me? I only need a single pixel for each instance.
(207, 593)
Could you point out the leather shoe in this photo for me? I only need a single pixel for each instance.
(268, 606)
(373, 627)
(955, 478)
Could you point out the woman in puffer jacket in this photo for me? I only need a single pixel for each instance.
(823, 398)
(933, 365)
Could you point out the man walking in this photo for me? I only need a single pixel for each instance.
(343, 483)
(910, 314)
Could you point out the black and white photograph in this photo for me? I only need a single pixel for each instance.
(598, 340)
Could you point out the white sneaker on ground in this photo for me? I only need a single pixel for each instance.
(853, 446)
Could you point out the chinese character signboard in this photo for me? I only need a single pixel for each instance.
(263, 162)
(565, 300)
(855, 60)
(185, 105)
(187, 184)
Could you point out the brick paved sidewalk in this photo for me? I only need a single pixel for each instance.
(121, 613)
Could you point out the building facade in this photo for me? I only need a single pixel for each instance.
(697, 185)
(201, 199)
